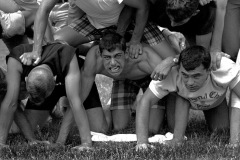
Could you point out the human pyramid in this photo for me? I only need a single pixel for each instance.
(186, 47)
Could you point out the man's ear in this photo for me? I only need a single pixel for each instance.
(55, 77)
(209, 70)
(196, 12)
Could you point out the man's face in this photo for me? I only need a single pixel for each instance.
(36, 100)
(114, 61)
(194, 79)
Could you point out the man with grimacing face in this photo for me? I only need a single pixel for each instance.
(111, 58)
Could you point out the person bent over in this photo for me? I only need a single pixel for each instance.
(55, 69)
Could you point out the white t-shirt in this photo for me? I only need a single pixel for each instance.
(210, 95)
(101, 13)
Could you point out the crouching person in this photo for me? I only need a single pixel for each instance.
(59, 67)
(202, 89)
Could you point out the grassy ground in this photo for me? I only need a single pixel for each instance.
(200, 144)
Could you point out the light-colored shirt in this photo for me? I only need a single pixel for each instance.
(210, 95)
(101, 13)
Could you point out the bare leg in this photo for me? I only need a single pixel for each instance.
(121, 118)
(97, 120)
(71, 36)
(8, 6)
(170, 111)
(156, 119)
(164, 50)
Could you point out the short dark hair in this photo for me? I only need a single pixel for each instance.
(40, 83)
(192, 57)
(110, 41)
(181, 9)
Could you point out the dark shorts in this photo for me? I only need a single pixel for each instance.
(92, 101)
(124, 93)
(152, 35)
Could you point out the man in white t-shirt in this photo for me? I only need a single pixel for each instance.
(203, 89)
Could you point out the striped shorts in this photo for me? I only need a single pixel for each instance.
(124, 93)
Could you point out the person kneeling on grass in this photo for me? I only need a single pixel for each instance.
(57, 71)
(203, 89)
(111, 58)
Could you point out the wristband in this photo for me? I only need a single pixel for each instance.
(175, 60)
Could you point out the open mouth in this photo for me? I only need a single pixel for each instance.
(114, 69)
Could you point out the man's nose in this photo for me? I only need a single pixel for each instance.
(112, 61)
(190, 81)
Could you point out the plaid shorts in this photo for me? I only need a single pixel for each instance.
(124, 93)
(152, 35)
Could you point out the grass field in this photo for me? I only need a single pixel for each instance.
(200, 144)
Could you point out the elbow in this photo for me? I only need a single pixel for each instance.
(6, 108)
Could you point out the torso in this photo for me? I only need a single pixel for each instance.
(134, 69)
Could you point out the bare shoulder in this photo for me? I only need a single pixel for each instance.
(93, 53)
(14, 65)
(148, 51)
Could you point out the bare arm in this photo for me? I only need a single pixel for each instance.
(181, 119)
(40, 25)
(89, 72)
(73, 89)
(10, 103)
(159, 68)
(142, 10)
(87, 79)
(235, 116)
(124, 20)
(65, 127)
(142, 116)
(216, 42)
(24, 125)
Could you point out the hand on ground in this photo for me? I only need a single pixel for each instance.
(173, 142)
(82, 147)
(144, 147)
(37, 142)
